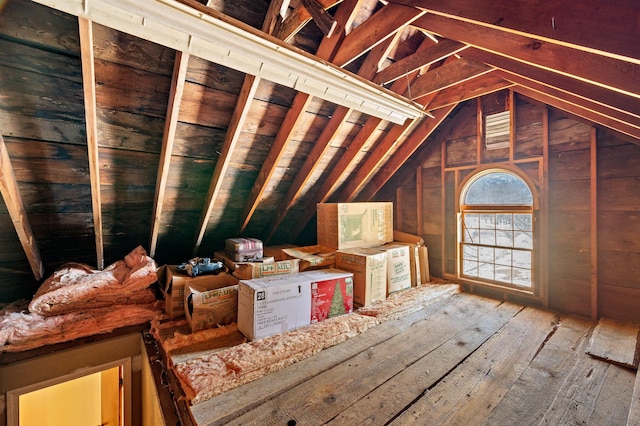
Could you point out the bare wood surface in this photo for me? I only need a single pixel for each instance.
(13, 200)
(90, 104)
(318, 400)
(616, 342)
(634, 411)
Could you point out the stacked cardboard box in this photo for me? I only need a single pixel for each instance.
(272, 305)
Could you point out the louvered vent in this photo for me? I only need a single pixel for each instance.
(497, 128)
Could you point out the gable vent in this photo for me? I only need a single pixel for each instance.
(497, 128)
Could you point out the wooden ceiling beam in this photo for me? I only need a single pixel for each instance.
(91, 121)
(168, 138)
(320, 147)
(480, 86)
(418, 60)
(406, 150)
(448, 75)
(298, 108)
(574, 105)
(383, 24)
(599, 70)
(626, 108)
(238, 117)
(322, 19)
(298, 18)
(604, 28)
(13, 200)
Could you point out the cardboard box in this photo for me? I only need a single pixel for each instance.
(211, 302)
(311, 257)
(352, 225)
(272, 305)
(398, 266)
(331, 293)
(173, 284)
(266, 268)
(422, 263)
(369, 269)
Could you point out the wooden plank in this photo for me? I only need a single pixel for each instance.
(473, 389)
(616, 342)
(13, 200)
(610, 25)
(321, 398)
(322, 144)
(534, 391)
(419, 201)
(602, 71)
(233, 403)
(593, 207)
(476, 87)
(297, 19)
(89, 86)
(322, 19)
(292, 119)
(594, 392)
(387, 21)
(405, 151)
(634, 410)
(420, 59)
(382, 404)
(448, 75)
(168, 138)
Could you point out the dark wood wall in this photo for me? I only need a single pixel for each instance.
(588, 217)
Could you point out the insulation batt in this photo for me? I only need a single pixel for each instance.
(213, 373)
(75, 286)
(77, 301)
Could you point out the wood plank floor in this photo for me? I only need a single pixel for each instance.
(463, 360)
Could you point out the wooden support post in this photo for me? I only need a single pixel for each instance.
(419, 206)
(321, 17)
(594, 225)
(512, 125)
(480, 131)
(543, 281)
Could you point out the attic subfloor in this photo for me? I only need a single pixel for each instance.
(462, 360)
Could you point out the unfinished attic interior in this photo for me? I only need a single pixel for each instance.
(496, 143)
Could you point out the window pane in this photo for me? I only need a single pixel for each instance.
(471, 220)
(470, 268)
(471, 236)
(499, 188)
(523, 240)
(486, 254)
(503, 221)
(488, 237)
(486, 271)
(504, 238)
(503, 274)
(470, 252)
(522, 222)
(503, 257)
(522, 259)
(522, 277)
(487, 221)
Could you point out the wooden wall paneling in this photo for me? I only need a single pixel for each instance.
(419, 202)
(594, 225)
(443, 210)
(171, 122)
(13, 200)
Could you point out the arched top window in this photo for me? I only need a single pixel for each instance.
(498, 188)
(497, 230)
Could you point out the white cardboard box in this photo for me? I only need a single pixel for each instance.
(369, 269)
(272, 305)
(351, 225)
(398, 266)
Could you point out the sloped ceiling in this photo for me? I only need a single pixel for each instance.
(110, 140)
